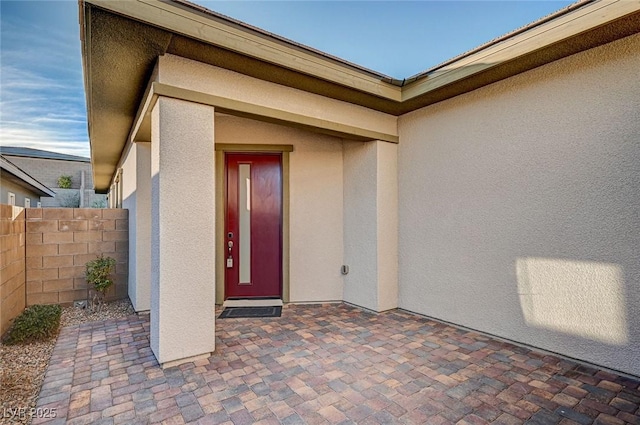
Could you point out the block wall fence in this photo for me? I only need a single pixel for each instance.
(55, 244)
(12, 264)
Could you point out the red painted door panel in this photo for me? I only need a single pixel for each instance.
(254, 226)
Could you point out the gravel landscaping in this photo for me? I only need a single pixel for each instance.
(23, 366)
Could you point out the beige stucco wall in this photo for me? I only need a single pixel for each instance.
(387, 228)
(129, 194)
(197, 76)
(20, 192)
(136, 197)
(520, 207)
(360, 222)
(371, 224)
(316, 189)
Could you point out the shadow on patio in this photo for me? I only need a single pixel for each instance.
(327, 364)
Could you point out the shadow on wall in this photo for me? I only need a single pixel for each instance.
(581, 298)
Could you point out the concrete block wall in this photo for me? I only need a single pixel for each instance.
(12, 264)
(60, 241)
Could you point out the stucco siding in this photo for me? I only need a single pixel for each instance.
(182, 231)
(371, 224)
(316, 189)
(387, 228)
(129, 194)
(360, 224)
(143, 226)
(136, 197)
(519, 207)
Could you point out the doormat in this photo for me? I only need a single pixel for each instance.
(239, 312)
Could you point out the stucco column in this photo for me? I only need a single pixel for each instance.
(371, 224)
(140, 228)
(183, 231)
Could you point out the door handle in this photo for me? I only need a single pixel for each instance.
(230, 257)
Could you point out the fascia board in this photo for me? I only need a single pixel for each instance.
(586, 18)
(176, 19)
(26, 178)
(85, 41)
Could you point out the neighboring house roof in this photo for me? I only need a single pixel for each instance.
(37, 153)
(121, 42)
(12, 172)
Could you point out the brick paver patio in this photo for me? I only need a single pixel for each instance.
(326, 364)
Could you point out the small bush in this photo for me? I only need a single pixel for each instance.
(98, 273)
(37, 322)
(64, 182)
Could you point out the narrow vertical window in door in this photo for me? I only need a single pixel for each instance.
(244, 211)
(253, 225)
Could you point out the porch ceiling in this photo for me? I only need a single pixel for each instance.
(121, 42)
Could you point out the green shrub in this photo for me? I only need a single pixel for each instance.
(37, 322)
(64, 182)
(98, 274)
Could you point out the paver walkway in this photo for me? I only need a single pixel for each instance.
(326, 364)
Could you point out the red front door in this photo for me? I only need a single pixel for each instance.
(253, 254)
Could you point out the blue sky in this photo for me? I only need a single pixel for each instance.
(41, 88)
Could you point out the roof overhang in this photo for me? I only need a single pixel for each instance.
(16, 175)
(122, 40)
(15, 151)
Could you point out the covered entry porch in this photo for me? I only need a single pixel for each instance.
(339, 191)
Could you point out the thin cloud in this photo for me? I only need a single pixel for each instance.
(56, 120)
(18, 76)
(57, 141)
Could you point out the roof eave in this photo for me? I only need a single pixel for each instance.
(185, 29)
(550, 33)
(201, 24)
(25, 179)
